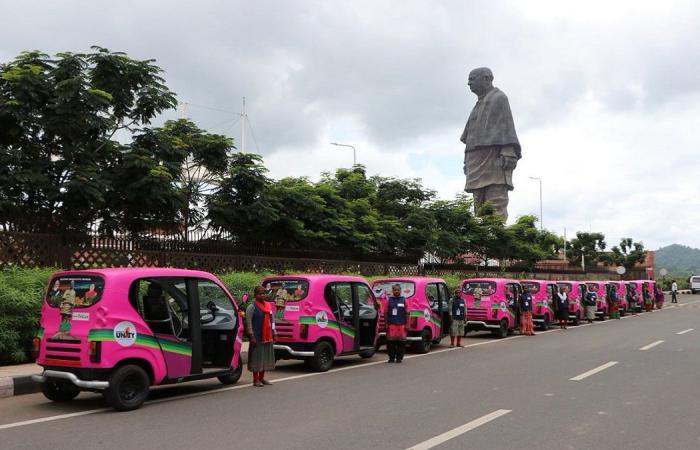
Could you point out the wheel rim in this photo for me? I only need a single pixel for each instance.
(325, 356)
(130, 388)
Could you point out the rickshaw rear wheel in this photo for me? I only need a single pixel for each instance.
(59, 392)
(322, 360)
(502, 331)
(234, 376)
(577, 319)
(423, 346)
(128, 388)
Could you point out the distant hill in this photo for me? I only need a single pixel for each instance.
(679, 260)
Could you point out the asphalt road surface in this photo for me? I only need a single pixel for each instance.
(628, 384)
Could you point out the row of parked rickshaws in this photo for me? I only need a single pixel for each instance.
(120, 331)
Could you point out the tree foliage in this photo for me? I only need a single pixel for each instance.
(627, 254)
(588, 247)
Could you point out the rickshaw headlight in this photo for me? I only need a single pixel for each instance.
(503, 306)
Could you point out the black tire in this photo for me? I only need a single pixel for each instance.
(503, 330)
(128, 388)
(59, 392)
(234, 376)
(368, 353)
(423, 346)
(323, 357)
(545, 323)
(577, 319)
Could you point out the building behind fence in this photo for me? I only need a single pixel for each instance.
(29, 250)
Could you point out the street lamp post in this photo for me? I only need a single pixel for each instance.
(354, 155)
(540, 181)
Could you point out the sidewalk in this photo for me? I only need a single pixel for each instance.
(17, 380)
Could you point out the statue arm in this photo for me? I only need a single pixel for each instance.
(509, 158)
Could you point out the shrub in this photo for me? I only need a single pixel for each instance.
(21, 295)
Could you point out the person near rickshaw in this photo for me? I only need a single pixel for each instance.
(674, 292)
(648, 300)
(659, 297)
(260, 327)
(526, 325)
(589, 301)
(614, 304)
(562, 302)
(457, 309)
(397, 318)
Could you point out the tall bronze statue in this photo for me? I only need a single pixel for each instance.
(492, 148)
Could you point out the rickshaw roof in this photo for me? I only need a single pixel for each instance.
(538, 281)
(128, 274)
(318, 277)
(419, 281)
(494, 280)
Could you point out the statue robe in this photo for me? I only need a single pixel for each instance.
(488, 130)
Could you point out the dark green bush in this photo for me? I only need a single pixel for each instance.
(21, 294)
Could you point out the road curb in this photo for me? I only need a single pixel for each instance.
(19, 385)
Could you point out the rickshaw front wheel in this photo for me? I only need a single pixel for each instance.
(128, 388)
(59, 392)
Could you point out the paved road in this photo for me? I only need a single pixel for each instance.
(495, 394)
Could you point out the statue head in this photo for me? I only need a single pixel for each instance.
(480, 80)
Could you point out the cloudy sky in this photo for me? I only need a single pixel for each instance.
(605, 94)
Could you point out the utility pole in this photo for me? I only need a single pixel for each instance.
(244, 118)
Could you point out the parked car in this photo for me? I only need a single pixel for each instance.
(497, 310)
(426, 304)
(323, 317)
(120, 331)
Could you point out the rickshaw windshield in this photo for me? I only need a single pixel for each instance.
(286, 290)
(487, 287)
(566, 286)
(531, 287)
(74, 291)
(408, 288)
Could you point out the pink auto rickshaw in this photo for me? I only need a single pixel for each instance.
(542, 303)
(619, 288)
(577, 291)
(497, 310)
(602, 305)
(323, 317)
(120, 331)
(637, 290)
(426, 305)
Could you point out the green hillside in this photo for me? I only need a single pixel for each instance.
(679, 260)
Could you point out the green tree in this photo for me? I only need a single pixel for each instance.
(627, 254)
(529, 244)
(586, 246)
(164, 178)
(457, 230)
(58, 117)
(240, 203)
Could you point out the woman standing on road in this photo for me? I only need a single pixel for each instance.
(457, 310)
(526, 326)
(397, 318)
(590, 301)
(659, 297)
(260, 326)
(562, 307)
(614, 304)
(648, 302)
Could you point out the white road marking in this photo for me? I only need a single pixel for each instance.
(51, 418)
(593, 371)
(686, 331)
(653, 344)
(444, 437)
